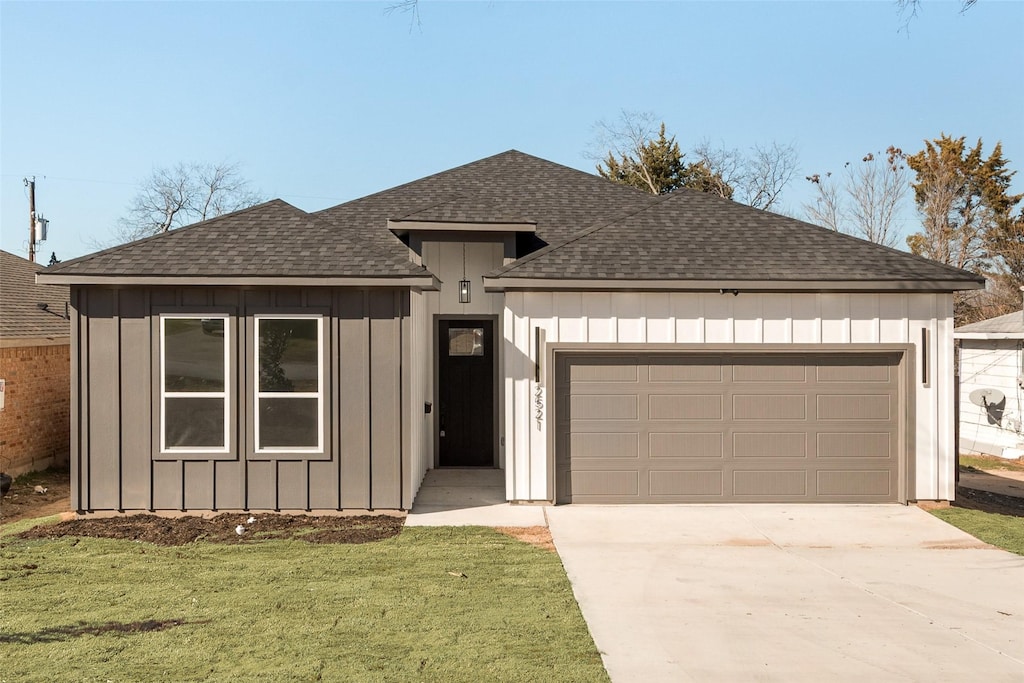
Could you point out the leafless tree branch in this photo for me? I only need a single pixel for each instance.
(185, 193)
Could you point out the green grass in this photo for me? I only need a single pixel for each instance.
(990, 462)
(101, 610)
(1003, 531)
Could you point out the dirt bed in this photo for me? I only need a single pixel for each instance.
(227, 528)
(973, 499)
(23, 501)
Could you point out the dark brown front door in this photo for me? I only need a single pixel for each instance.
(466, 393)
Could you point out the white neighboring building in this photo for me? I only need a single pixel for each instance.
(991, 375)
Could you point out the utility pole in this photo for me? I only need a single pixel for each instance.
(31, 184)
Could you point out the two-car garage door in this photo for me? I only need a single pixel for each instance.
(698, 427)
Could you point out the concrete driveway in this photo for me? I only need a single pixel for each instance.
(791, 593)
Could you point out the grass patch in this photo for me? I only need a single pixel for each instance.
(396, 610)
(12, 528)
(1002, 531)
(990, 462)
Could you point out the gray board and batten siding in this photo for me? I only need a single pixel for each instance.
(705, 427)
(117, 463)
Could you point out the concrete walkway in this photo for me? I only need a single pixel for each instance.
(469, 497)
(791, 593)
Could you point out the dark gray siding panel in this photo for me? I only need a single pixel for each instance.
(198, 488)
(104, 390)
(115, 417)
(261, 484)
(167, 483)
(354, 387)
(385, 401)
(78, 369)
(292, 485)
(406, 415)
(323, 484)
(136, 410)
(229, 484)
(195, 297)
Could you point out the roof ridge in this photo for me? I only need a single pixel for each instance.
(462, 167)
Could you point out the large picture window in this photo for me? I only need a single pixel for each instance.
(289, 383)
(194, 383)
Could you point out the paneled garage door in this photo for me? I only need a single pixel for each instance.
(693, 427)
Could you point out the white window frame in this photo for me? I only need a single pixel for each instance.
(318, 394)
(225, 394)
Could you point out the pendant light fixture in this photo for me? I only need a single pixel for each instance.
(464, 293)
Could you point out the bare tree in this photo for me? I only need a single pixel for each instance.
(758, 176)
(909, 8)
(185, 193)
(864, 203)
(626, 138)
(827, 209)
(729, 165)
(410, 7)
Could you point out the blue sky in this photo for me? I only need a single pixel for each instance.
(324, 102)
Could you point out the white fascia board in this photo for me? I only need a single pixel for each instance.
(400, 227)
(497, 284)
(428, 283)
(988, 335)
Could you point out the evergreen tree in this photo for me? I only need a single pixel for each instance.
(657, 166)
(967, 214)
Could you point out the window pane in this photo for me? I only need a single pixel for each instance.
(288, 355)
(466, 341)
(193, 354)
(288, 422)
(195, 422)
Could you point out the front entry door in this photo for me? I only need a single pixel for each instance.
(465, 371)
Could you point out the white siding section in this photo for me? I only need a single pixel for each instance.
(990, 364)
(750, 318)
(520, 369)
(921, 316)
(541, 307)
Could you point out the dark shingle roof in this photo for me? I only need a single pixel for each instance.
(273, 239)
(511, 187)
(690, 235)
(595, 230)
(20, 314)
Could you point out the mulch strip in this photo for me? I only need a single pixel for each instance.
(986, 501)
(173, 531)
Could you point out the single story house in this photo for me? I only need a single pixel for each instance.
(991, 380)
(596, 343)
(35, 365)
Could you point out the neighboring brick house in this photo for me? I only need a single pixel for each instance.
(36, 367)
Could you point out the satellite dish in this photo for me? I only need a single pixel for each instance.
(986, 397)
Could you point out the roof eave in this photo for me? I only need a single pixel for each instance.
(403, 227)
(420, 282)
(498, 284)
(993, 336)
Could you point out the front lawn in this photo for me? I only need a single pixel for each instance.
(432, 604)
(1003, 531)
